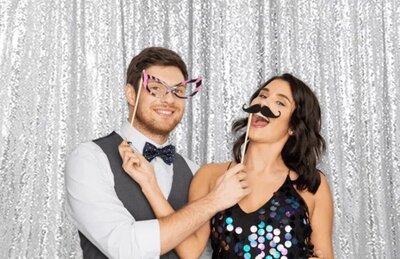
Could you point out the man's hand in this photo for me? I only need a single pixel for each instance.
(136, 166)
(230, 187)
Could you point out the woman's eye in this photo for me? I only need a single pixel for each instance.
(280, 103)
(262, 96)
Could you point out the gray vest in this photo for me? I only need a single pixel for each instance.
(130, 193)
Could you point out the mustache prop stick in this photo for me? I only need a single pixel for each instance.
(265, 111)
(246, 136)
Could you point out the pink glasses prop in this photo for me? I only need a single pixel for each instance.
(158, 88)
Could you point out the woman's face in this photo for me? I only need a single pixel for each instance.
(278, 97)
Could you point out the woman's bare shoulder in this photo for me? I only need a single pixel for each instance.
(322, 195)
(323, 181)
(205, 179)
(208, 173)
(324, 192)
(213, 169)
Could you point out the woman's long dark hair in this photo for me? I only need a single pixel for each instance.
(303, 149)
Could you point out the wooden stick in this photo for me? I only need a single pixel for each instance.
(136, 101)
(245, 138)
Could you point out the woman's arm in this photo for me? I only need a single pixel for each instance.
(194, 245)
(229, 188)
(322, 220)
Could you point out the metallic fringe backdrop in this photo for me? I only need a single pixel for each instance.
(62, 74)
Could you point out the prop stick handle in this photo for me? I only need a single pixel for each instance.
(136, 101)
(245, 138)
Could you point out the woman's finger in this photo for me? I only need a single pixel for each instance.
(122, 149)
(234, 170)
(244, 184)
(241, 176)
(132, 159)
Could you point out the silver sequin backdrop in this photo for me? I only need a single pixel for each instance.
(62, 69)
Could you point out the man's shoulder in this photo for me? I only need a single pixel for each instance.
(86, 148)
(91, 147)
(92, 150)
(87, 160)
(112, 137)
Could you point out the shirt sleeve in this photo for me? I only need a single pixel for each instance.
(94, 208)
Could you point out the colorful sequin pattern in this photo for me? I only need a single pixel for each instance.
(279, 229)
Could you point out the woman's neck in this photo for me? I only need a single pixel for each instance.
(264, 158)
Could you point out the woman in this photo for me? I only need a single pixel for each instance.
(289, 211)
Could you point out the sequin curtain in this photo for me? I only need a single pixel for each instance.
(62, 73)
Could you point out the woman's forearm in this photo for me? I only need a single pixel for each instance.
(191, 247)
(158, 203)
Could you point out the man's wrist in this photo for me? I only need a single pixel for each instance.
(214, 204)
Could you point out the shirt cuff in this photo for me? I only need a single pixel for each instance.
(148, 238)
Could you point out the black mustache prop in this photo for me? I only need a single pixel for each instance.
(265, 110)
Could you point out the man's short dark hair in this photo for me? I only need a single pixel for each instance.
(150, 57)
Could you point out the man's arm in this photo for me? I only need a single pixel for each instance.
(176, 227)
(93, 206)
(184, 222)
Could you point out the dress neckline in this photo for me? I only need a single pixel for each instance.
(269, 200)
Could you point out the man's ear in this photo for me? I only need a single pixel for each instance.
(130, 94)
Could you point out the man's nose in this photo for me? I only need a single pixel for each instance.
(168, 98)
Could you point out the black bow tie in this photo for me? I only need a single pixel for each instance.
(166, 153)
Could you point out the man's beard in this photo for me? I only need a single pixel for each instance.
(153, 126)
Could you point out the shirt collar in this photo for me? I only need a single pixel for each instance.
(137, 138)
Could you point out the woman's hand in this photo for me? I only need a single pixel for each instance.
(230, 187)
(136, 166)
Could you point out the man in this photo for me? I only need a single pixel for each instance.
(113, 216)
